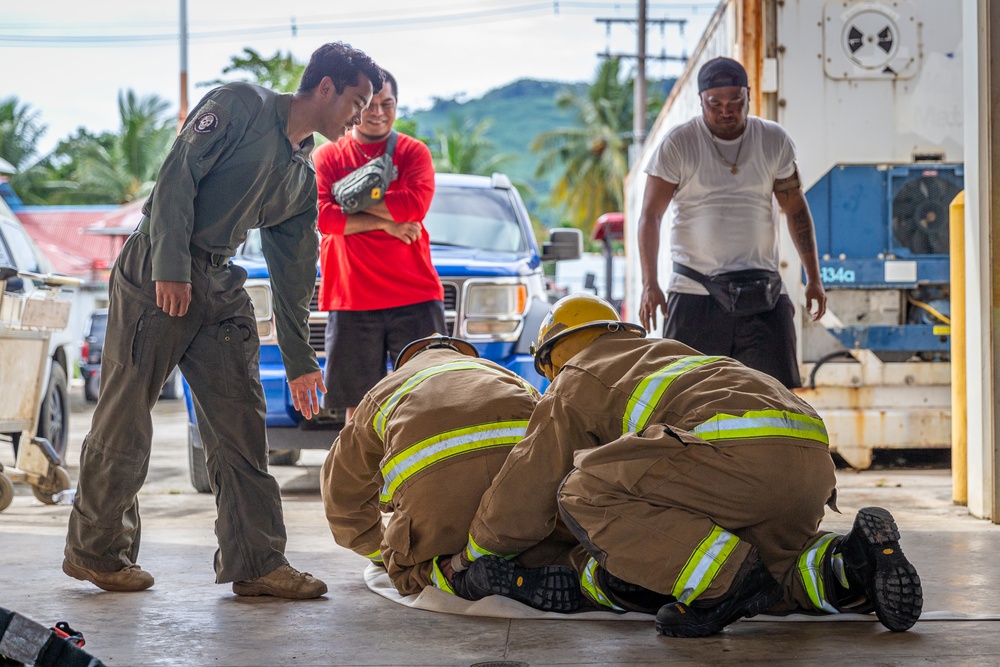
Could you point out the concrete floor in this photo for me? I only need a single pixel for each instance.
(185, 619)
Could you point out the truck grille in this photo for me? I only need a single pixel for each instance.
(317, 325)
(450, 296)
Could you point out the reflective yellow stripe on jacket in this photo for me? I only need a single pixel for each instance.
(379, 422)
(650, 390)
(474, 551)
(437, 577)
(593, 589)
(763, 424)
(811, 571)
(704, 564)
(425, 453)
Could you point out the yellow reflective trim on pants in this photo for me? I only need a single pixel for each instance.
(474, 551)
(704, 565)
(438, 578)
(650, 390)
(763, 424)
(375, 555)
(811, 571)
(593, 589)
(429, 451)
(379, 421)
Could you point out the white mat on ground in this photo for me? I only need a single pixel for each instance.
(433, 599)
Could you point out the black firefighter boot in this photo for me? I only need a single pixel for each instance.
(549, 588)
(628, 596)
(753, 591)
(877, 569)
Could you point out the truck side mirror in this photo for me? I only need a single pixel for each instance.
(8, 275)
(563, 243)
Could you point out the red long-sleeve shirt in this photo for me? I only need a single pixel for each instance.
(373, 270)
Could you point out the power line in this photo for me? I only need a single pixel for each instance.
(324, 24)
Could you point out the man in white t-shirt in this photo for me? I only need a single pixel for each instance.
(722, 172)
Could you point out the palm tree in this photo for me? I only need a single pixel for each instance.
(280, 72)
(20, 130)
(591, 158)
(114, 167)
(461, 147)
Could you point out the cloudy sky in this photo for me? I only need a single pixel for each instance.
(68, 59)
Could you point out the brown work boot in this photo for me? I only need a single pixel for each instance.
(125, 580)
(283, 581)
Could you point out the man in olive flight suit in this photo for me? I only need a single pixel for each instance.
(423, 446)
(696, 484)
(241, 161)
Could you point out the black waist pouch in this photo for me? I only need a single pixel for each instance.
(748, 292)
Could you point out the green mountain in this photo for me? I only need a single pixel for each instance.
(518, 113)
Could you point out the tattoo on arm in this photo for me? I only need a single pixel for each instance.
(804, 238)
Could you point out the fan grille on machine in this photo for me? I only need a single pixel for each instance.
(920, 215)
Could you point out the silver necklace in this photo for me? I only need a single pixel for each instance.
(733, 169)
(363, 152)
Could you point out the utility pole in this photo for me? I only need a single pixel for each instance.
(182, 114)
(639, 88)
(641, 56)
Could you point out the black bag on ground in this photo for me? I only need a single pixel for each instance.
(742, 293)
(366, 185)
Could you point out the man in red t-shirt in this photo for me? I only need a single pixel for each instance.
(378, 282)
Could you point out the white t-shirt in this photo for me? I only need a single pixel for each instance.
(723, 221)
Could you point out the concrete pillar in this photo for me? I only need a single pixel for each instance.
(982, 241)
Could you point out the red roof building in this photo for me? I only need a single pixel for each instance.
(80, 241)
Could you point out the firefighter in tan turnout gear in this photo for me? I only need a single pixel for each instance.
(423, 445)
(694, 482)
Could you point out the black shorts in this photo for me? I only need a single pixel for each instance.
(765, 342)
(360, 343)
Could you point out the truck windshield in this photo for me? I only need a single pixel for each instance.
(474, 218)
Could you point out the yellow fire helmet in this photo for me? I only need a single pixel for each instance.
(432, 341)
(573, 313)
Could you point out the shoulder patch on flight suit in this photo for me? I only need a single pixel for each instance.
(210, 122)
(206, 122)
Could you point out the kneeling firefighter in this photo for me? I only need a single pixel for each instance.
(696, 484)
(423, 446)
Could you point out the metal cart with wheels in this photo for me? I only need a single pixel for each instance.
(26, 324)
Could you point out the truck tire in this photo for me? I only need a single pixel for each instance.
(53, 418)
(197, 466)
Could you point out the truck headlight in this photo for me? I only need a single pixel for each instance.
(495, 309)
(260, 296)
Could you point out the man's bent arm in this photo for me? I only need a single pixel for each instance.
(800, 226)
(654, 204)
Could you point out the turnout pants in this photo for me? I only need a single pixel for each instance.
(217, 348)
(665, 510)
(426, 522)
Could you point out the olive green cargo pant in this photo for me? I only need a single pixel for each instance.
(649, 507)
(217, 348)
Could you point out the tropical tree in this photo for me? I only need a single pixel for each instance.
(280, 72)
(20, 131)
(461, 147)
(114, 167)
(591, 158)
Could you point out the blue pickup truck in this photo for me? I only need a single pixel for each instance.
(485, 252)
